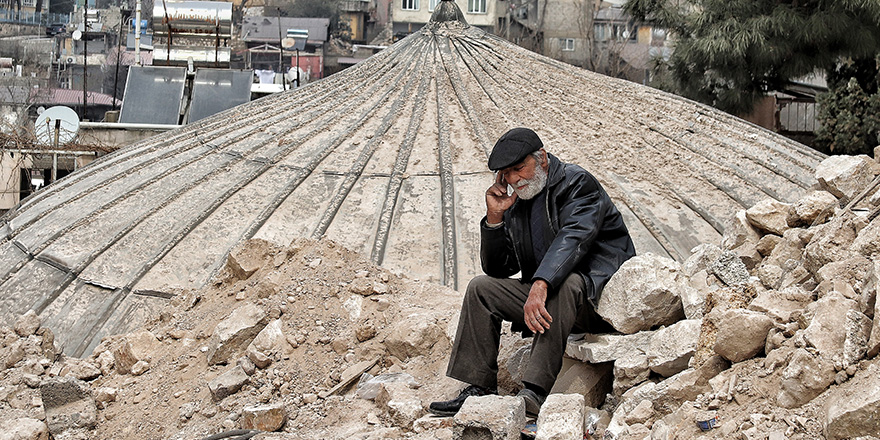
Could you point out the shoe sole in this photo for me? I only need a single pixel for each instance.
(532, 407)
(441, 413)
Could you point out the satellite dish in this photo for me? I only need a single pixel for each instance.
(59, 120)
(288, 43)
(77, 34)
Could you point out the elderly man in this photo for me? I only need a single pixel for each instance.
(558, 229)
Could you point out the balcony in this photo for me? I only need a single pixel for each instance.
(355, 5)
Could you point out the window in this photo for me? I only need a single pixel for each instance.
(567, 44)
(477, 6)
(410, 5)
(432, 4)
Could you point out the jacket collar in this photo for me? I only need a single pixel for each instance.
(556, 172)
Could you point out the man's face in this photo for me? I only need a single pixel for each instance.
(527, 177)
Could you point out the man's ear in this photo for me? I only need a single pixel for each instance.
(545, 163)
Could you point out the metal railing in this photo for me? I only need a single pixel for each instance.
(354, 5)
(25, 17)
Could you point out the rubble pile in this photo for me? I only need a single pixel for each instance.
(769, 334)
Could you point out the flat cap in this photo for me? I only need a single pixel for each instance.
(512, 147)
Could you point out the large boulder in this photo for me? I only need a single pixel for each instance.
(671, 348)
(401, 402)
(769, 215)
(867, 242)
(827, 329)
(24, 429)
(739, 232)
(644, 293)
(268, 418)
(851, 410)
(858, 329)
(805, 377)
(813, 209)
(741, 334)
(846, 176)
(592, 381)
(831, 241)
(232, 335)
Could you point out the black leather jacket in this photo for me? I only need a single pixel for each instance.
(590, 237)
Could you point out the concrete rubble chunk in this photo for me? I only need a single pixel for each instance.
(561, 417)
(68, 404)
(227, 383)
(490, 417)
(597, 349)
(592, 381)
(805, 377)
(742, 334)
(767, 243)
(81, 369)
(857, 271)
(874, 341)
(132, 348)
(401, 402)
(644, 293)
(370, 386)
(827, 329)
(769, 215)
(693, 295)
(233, 334)
(867, 242)
(830, 242)
(245, 259)
(701, 257)
(671, 348)
(845, 176)
(813, 209)
(268, 418)
(780, 305)
(27, 324)
(858, 329)
(415, 335)
(851, 410)
(641, 413)
(431, 423)
(729, 269)
(25, 428)
(271, 340)
(739, 231)
(629, 372)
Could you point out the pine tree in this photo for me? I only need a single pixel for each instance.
(850, 111)
(729, 53)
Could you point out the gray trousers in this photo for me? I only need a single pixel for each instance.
(489, 301)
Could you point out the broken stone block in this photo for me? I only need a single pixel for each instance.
(132, 348)
(369, 386)
(105, 394)
(416, 334)
(701, 257)
(831, 241)
(749, 255)
(227, 383)
(767, 243)
(401, 402)
(856, 271)
(592, 381)
(641, 413)
(629, 372)
(561, 417)
(490, 417)
(813, 209)
(517, 363)
(729, 269)
(855, 346)
(644, 293)
(24, 429)
(27, 324)
(597, 349)
(260, 360)
(851, 410)
(780, 305)
(693, 296)
(805, 377)
(245, 259)
(271, 340)
(742, 334)
(769, 215)
(233, 334)
(140, 367)
(874, 341)
(827, 329)
(738, 232)
(671, 348)
(268, 418)
(845, 176)
(867, 241)
(430, 423)
(80, 368)
(68, 404)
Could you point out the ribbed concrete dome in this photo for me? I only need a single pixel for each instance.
(387, 158)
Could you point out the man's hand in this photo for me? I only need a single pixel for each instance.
(497, 200)
(536, 316)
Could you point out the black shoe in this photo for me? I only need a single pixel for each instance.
(533, 401)
(451, 407)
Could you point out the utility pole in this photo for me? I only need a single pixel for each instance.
(85, 55)
(281, 53)
(118, 44)
(137, 33)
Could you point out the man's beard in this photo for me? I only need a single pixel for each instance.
(533, 185)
